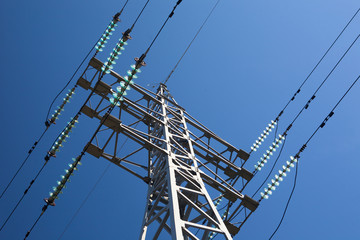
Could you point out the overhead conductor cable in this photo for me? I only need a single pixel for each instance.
(116, 101)
(278, 141)
(275, 182)
(104, 172)
(294, 162)
(197, 33)
(273, 123)
(71, 92)
(62, 136)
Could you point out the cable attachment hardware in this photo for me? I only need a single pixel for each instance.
(293, 98)
(326, 119)
(172, 12)
(302, 149)
(310, 100)
(33, 147)
(126, 35)
(49, 202)
(140, 61)
(116, 17)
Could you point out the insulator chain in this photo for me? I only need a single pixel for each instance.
(62, 184)
(60, 108)
(279, 178)
(108, 32)
(264, 159)
(116, 52)
(62, 138)
(263, 136)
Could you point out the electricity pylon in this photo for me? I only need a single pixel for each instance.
(187, 167)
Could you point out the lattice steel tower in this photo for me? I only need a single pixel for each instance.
(188, 169)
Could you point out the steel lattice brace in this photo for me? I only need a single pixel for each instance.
(188, 168)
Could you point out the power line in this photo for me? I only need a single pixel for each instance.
(258, 142)
(71, 122)
(267, 177)
(332, 111)
(47, 158)
(22, 197)
(201, 27)
(297, 156)
(82, 62)
(85, 200)
(234, 215)
(132, 27)
(277, 143)
(322, 83)
(47, 123)
(139, 62)
(90, 192)
(160, 30)
(318, 63)
(70, 80)
(37, 220)
(288, 202)
(23, 163)
(117, 15)
(273, 184)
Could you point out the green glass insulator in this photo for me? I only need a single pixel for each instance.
(119, 89)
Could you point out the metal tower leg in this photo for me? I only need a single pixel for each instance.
(176, 192)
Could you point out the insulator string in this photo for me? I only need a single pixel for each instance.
(277, 143)
(290, 164)
(91, 191)
(49, 122)
(115, 101)
(255, 145)
(294, 162)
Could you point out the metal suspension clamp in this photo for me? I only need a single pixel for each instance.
(116, 17)
(126, 35)
(49, 202)
(140, 62)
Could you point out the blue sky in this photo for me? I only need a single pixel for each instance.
(245, 65)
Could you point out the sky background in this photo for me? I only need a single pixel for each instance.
(245, 65)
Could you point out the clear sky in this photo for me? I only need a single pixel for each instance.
(242, 69)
